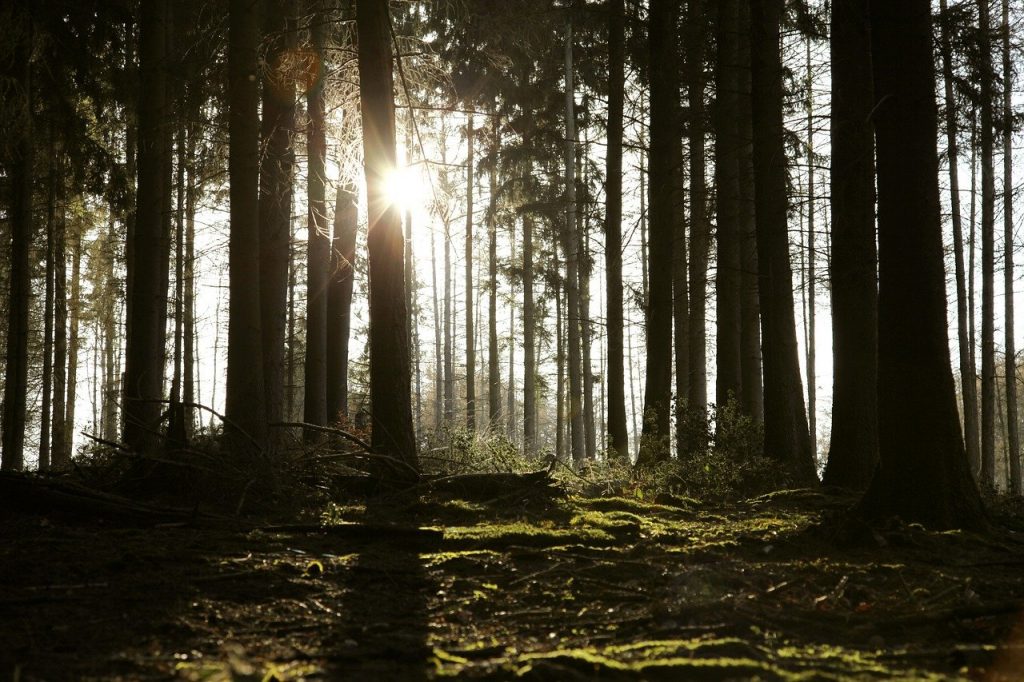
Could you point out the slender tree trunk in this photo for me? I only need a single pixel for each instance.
(529, 344)
(923, 474)
(176, 426)
(680, 292)
(51, 208)
(318, 254)
(988, 225)
(658, 386)
(245, 404)
(729, 377)
(289, 359)
(109, 321)
(438, 361)
(586, 329)
(1013, 433)
(470, 349)
(58, 432)
(853, 450)
(617, 429)
(511, 425)
(700, 226)
(560, 422)
(751, 389)
(277, 128)
(968, 383)
(339, 300)
(786, 435)
(812, 382)
(147, 293)
(493, 370)
(390, 380)
(189, 378)
(62, 460)
(571, 240)
(449, 370)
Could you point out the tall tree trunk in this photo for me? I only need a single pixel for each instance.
(147, 295)
(988, 227)
(560, 425)
(390, 380)
(438, 361)
(853, 449)
(277, 128)
(812, 382)
(493, 370)
(110, 336)
(786, 436)
(658, 386)
(617, 429)
(751, 389)
(529, 344)
(586, 329)
(58, 432)
(700, 227)
(289, 357)
(571, 240)
(680, 292)
(510, 421)
(189, 378)
(968, 383)
(470, 348)
(1013, 433)
(922, 474)
(449, 351)
(245, 405)
(318, 254)
(339, 300)
(45, 419)
(729, 377)
(62, 460)
(176, 426)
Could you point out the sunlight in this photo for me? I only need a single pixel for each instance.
(406, 188)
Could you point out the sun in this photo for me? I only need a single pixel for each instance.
(406, 188)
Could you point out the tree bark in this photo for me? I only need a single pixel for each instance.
(658, 386)
(62, 460)
(853, 449)
(700, 227)
(988, 227)
(1012, 425)
(390, 380)
(617, 429)
(529, 344)
(245, 406)
(470, 285)
(493, 369)
(45, 419)
(786, 436)
(339, 301)
(923, 474)
(58, 431)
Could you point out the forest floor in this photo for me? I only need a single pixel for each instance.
(552, 589)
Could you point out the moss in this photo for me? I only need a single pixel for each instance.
(527, 534)
(626, 504)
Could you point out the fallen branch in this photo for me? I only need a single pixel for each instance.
(324, 429)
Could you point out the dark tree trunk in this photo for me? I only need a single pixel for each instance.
(786, 436)
(470, 285)
(853, 449)
(968, 380)
(988, 229)
(680, 292)
(58, 431)
(449, 369)
(318, 253)
(1013, 432)
(62, 459)
(729, 377)
(658, 386)
(390, 381)
(617, 429)
(147, 292)
(189, 378)
(110, 336)
(176, 424)
(529, 344)
(493, 369)
(339, 301)
(277, 128)
(577, 436)
(923, 474)
(438, 355)
(751, 389)
(244, 391)
(700, 227)
(45, 419)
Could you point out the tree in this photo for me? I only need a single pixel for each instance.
(988, 229)
(339, 300)
(700, 228)
(390, 381)
(922, 473)
(244, 403)
(617, 430)
(1013, 430)
(854, 442)
(470, 349)
(275, 198)
(785, 420)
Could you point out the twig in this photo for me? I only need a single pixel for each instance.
(198, 406)
(109, 443)
(325, 429)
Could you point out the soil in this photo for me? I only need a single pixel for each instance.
(776, 588)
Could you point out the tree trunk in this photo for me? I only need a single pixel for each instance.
(62, 460)
(988, 228)
(853, 449)
(681, 291)
(617, 429)
(751, 389)
(449, 351)
(786, 436)
(189, 378)
(586, 330)
(339, 301)
(110, 336)
(390, 381)
(244, 391)
(922, 474)
(45, 419)
(968, 381)
(318, 253)
(1013, 434)
(700, 227)
(729, 377)
(529, 344)
(658, 386)
(58, 432)
(277, 128)
(438, 361)
(811, 360)
(176, 424)
(493, 370)
(470, 285)
(147, 295)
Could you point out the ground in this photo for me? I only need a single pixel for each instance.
(778, 587)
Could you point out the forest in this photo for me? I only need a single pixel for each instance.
(501, 339)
